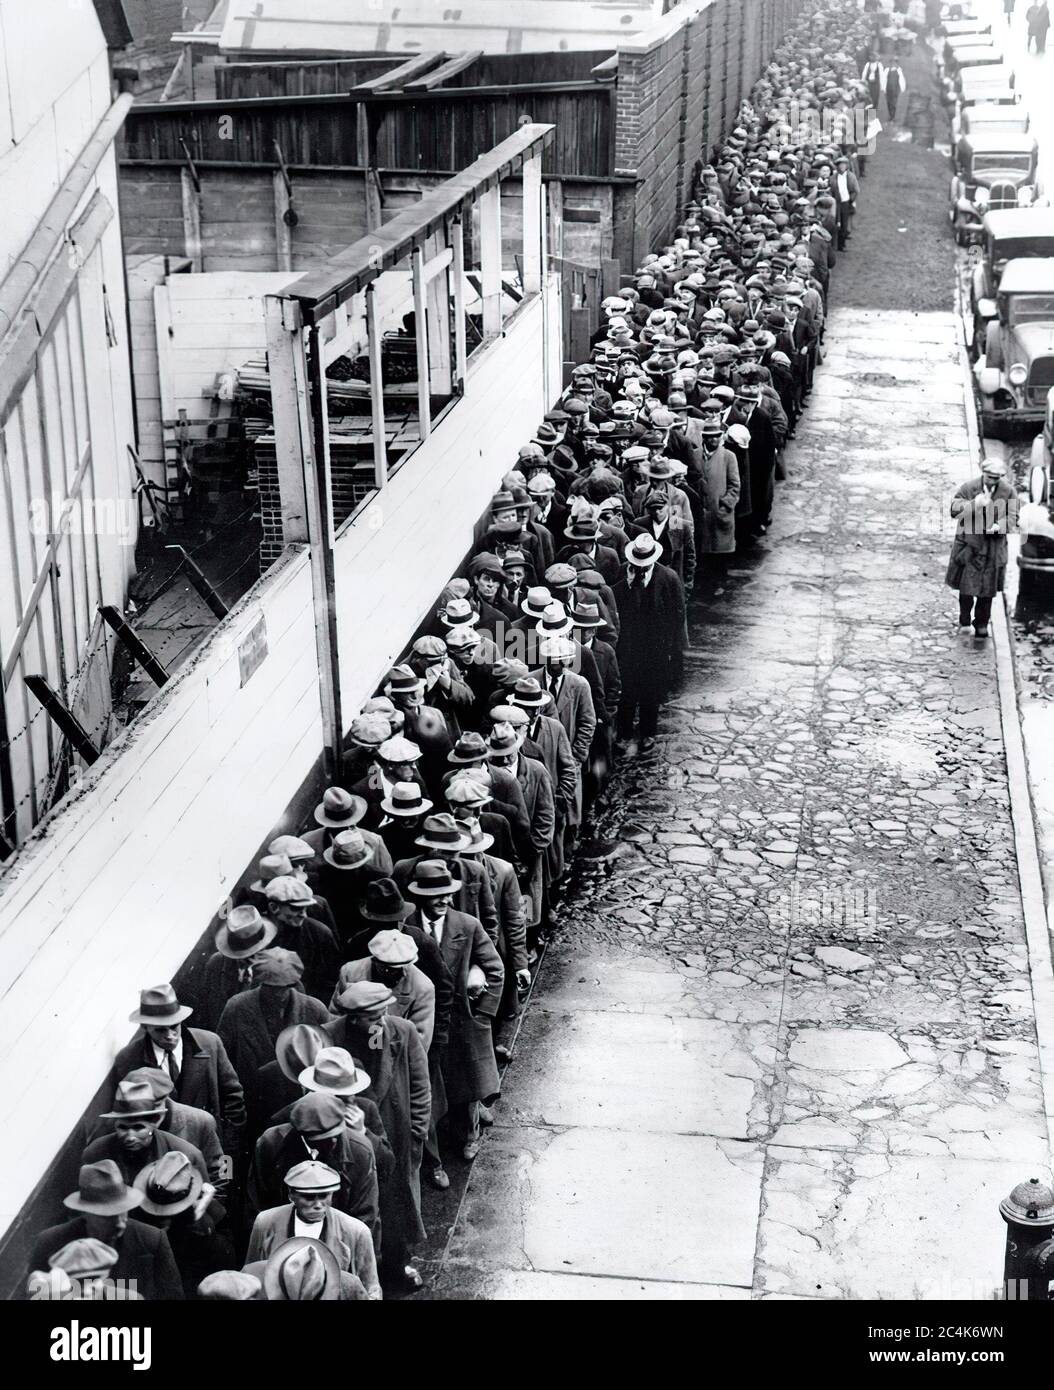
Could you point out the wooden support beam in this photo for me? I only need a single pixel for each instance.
(424, 406)
(191, 219)
(457, 237)
(287, 370)
(458, 63)
(380, 444)
(532, 224)
(283, 229)
(399, 76)
(437, 307)
(366, 154)
(490, 259)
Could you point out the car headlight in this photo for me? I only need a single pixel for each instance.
(982, 196)
(1018, 374)
(1025, 194)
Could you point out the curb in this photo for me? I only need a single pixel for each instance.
(1026, 846)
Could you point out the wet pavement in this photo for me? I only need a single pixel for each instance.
(783, 1045)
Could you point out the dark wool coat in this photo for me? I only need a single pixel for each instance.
(245, 1034)
(652, 635)
(469, 1069)
(402, 1091)
(978, 560)
(163, 1142)
(475, 896)
(206, 1080)
(537, 788)
(717, 479)
(350, 1154)
(143, 1254)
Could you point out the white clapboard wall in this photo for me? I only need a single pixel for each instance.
(114, 891)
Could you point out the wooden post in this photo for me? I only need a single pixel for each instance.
(424, 404)
(610, 277)
(532, 224)
(490, 260)
(283, 232)
(380, 444)
(287, 370)
(555, 191)
(191, 219)
(365, 140)
(457, 238)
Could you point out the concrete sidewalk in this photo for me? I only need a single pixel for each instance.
(785, 1047)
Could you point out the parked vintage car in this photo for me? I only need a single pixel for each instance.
(1006, 120)
(1036, 555)
(960, 28)
(1015, 234)
(992, 86)
(1016, 369)
(992, 171)
(964, 45)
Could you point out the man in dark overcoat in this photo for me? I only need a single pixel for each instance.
(651, 607)
(985, 510)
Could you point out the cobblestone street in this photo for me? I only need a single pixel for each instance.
(784, 1044)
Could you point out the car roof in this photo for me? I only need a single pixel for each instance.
(971, 54)
(1027, 274)
(986, 76)
(970, 40)
(999, 142)
(1020, 222)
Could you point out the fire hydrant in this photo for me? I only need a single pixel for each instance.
(1029, 1264)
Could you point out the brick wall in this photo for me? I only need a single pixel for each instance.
(678, 90)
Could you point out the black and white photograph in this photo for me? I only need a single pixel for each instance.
(526, 673)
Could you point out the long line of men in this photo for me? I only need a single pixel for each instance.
(270, 1140)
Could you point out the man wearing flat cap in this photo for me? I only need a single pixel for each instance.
(195, 1059)
(289, 905)
(322, 1126)
(101, 1210)
(251, 1022)
(390, 1051)
(985, 512)
(310, 1215)
(392, 962)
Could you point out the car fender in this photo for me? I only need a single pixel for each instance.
(989, 379)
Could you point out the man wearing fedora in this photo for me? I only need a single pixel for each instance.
(392, 961)
(102, 1205)
(134, 1138)
(241, 935)
(666, 526)
(582, 536)
(512, 937)
(467, 793)
(717, 480)
(195, 1060)
(544, 738)
(470, 1073)
(323, 1126)
(504, 755)
(398, 759)
(652, 612)
(347, 870)
(289, 905)
(441, 838)
(572, 703)
(187, 1122)
(404, 809)
(303, 1270)
(310, 1214)
(177, 1201)
(985, 511)
(340, 810)
(251, 1021)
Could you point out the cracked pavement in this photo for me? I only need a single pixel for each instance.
(784, 1044)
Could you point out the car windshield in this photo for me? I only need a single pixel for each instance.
(1013, 248)
(982, 163)
(1032, 308)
